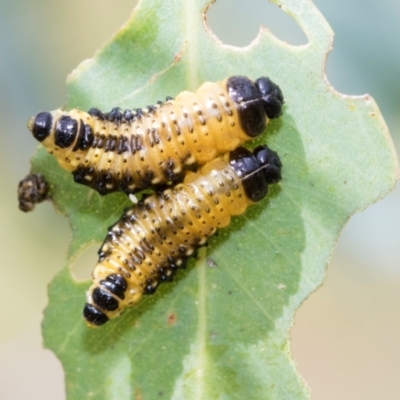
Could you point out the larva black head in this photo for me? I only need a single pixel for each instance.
(245, 94)
(94, 316)
(272, 97)
(256, 170)
(270, 163)
(66, 131)
(41, 125)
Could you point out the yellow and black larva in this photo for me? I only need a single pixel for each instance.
(144, 148)
(155, 238)
(33, 189)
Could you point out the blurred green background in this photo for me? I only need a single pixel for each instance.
(346, 337)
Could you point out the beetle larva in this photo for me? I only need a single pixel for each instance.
(147, 148)
(155, 238)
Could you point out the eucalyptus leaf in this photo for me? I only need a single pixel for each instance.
(220, 330)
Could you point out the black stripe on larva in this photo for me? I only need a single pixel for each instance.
(99, 140)
(66, 131)
(94, 316)
(116, 284)
(136, 143)
(104, 299)
(33, 189)
(122, 145)
(111, 143)
(42, 126)
(85, 137)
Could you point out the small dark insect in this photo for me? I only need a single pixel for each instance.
(33, 189)
(211, 263)
(147, 148)
(155, 238)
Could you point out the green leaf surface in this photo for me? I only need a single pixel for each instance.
(220, 330)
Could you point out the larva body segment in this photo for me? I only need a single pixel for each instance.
(145, 148)
(152, 240)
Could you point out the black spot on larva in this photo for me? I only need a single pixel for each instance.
(79, 174)
(96, 113)
(94, 316)
(104, 182)
(66, 131)
(104, 300)
(152, 109)
(169, 173)
(126, 182)
(85, 137)
(139, 113)
(99, 140)
(128, 116)
(169, 166)
(115, 115)
(42, 125)
(147, 178)
(150, 286)
(192, 167)
(166, 275)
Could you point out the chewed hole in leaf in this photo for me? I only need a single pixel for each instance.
(84, 264)
(237, 22)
